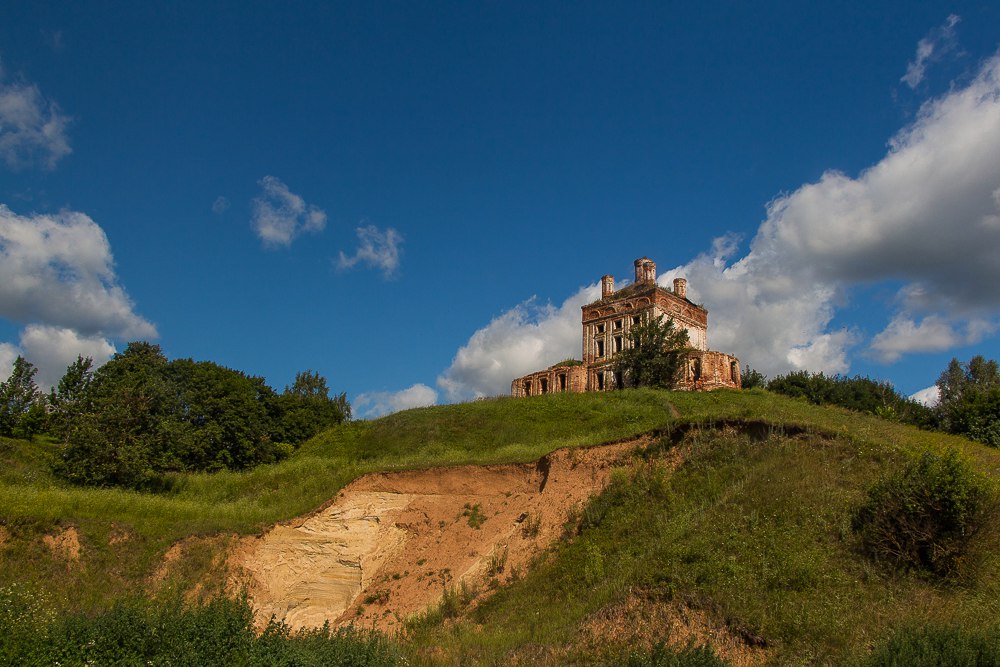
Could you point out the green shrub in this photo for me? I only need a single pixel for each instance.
(923, 515)
(663, 656)
(138, 631)
(937, 647)
(474, 514)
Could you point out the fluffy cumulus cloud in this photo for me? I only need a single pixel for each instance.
(32, 128)
(378, 403)
(8, 353)
(931, 334)
(526, 338)
(57, 278)
(379, 250)
(927, 216)
(279, 215)
(929, 396)
(52, 349)
(938, 43)
(58, 270)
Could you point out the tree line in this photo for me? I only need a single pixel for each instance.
(140, 416)
(969, 393)
(968, 403)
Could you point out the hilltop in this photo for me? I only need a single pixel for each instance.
(726, 521)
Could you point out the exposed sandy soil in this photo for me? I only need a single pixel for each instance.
(388, 545)
(65, 544)
(179, 556)
(170, 559)
(119, 534)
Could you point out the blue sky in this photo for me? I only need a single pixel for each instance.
(414, 199)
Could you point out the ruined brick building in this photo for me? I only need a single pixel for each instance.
(606, 324)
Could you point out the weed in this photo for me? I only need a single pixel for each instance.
(932, 645)
(531, 525)
(497, 562)
(662, 655)
(474, 514)
(380, 596)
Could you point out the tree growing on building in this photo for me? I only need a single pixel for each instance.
(653, 355)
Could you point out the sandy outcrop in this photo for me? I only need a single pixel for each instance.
(64, 544)
(390, 544)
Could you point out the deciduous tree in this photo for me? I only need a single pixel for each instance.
(969, 402)
(22, 412)
(653, 353)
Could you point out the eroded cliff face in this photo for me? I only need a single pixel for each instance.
(390, 544)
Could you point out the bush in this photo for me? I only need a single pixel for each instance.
(139, 631)
(857, 393)
(937, 647)
(663, 656)
(923, 515)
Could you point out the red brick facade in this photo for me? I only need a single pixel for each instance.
(606, 324)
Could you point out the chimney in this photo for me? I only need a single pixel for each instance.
(681, 287)
(607, 286)
(645, 271)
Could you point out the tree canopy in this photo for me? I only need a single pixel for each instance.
(22, 412)
(140, 416)
(969, 399)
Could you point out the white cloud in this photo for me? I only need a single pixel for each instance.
(933, 333)
(929, 396)
(932, 48)
(8, 353)
(220, 205)
(925, 215)
(279, 215)
(32, 129)
(378, 403)
(526, 338)
(58, 270)
(377, 249)
(920, 215)
(52, 349)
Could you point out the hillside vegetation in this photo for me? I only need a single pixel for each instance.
(747, 546)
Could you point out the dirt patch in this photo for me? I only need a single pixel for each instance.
(170, 559)
(65, 544)
(641, 622)
(390, 544)
(199, 563)
(4, 536)
(119, 534)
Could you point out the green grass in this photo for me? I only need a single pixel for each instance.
(753, 529)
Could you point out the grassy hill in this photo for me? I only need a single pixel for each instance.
(748, 544)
